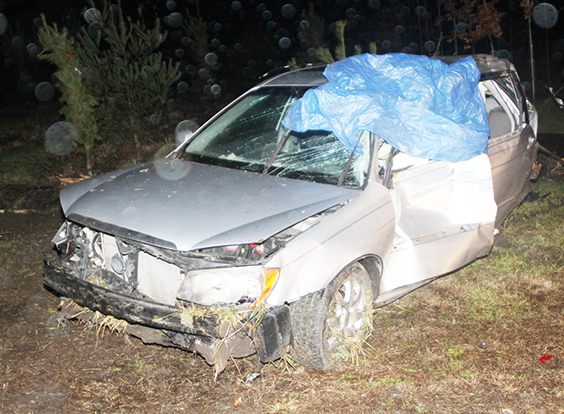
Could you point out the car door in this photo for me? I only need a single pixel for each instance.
(432, 236)
(445, 215)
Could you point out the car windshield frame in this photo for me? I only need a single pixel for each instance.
(249, 135)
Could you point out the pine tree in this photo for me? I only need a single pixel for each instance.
(130, 77)
(79, 101)
(324, 54)
(314, 33)
(197, 33)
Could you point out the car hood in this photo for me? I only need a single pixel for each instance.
(184, 205)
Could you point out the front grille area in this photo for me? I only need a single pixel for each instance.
(118, 265)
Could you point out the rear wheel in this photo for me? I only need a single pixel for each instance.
(330, 325)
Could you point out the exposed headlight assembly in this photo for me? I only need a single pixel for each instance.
(245, 285)
(228, 286)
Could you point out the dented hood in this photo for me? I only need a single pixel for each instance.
(183, 205)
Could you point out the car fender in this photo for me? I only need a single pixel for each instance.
(363, 227)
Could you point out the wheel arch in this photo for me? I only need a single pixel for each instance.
(373, 265)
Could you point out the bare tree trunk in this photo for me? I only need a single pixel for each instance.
(88, 149)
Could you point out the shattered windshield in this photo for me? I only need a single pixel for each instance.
(250, 136)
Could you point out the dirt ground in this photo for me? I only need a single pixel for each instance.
(427, 355)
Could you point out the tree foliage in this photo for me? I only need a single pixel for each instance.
(79, 101)
(472, 20)
(324, 54)
(130, 77)
(197, 33)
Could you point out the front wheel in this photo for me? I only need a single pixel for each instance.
(329, 326)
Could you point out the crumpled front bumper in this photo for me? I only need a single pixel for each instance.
(268, 333)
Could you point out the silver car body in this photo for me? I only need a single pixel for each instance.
(403, 223)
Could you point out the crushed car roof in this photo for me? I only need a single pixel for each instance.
(421, 106)
(313, 75)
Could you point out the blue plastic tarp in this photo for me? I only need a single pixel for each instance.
(421, 106)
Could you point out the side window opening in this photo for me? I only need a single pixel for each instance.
(499, 120)
(385, 155)
(501, 109)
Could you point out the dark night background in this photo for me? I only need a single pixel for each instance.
(250, 37)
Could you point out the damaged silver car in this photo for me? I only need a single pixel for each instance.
(316, 196)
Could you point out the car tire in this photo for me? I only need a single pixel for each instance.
(330, 325)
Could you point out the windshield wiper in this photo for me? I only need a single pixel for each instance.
(347, 166)
(275, 152)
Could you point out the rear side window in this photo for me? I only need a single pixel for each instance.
(506, 83)
(502, 106)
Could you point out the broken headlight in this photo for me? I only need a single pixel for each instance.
(245, 285)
